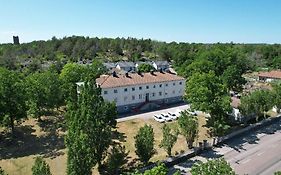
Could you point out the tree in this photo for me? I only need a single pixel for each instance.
(2, 172)
(40, 167)
(44, 93)
(144, 143)
(212, 167)
(117, 158)
(206, 92)
(199, 66)
(188, 125)
(232, 78)
(277, 95)
(277, 173)
(169, 139)
(145, 67)
(12, 98)
(257, 103)
(90, 126)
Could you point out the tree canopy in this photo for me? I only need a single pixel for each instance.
(40, 167)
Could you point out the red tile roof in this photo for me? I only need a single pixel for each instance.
(272, 74)
(108, 81)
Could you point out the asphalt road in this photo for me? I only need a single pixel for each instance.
(256, 152)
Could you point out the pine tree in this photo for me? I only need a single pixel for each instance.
(40, 167)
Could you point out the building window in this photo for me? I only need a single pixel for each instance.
(147, 87)
(179, 91)
(140, 96)
(125, 90)
(153, 94)
(180, 83)
(154, 86)
(115, 91)
(140, 88)
(166, 93)
(160, 85)
(174, 84)
(104, 92)
(133, 97)
(160, 93)
(125, 108)
(173, 91)
(125, 98)
(166, 84)
(133, 89)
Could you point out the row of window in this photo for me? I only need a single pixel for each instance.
(141, 95)
(140, 88)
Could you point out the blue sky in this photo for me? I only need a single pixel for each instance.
(207, 21)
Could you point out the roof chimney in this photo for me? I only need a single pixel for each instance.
(114, 74)
(152, 72)
(127, 74)
(161, 70)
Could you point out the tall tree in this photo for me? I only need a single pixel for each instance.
(44, 93)
(2, 172)
(207, 93)
(90, 126)
(212, 167)
(257, 103)
(144, 143)
(232, 78)
(188, 125)
(169, 139)
(12, 98)
(40, 167)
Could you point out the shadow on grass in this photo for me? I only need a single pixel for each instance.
(25, 142)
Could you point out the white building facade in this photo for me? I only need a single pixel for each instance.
(133, 92)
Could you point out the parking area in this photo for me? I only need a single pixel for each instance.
(149, 115)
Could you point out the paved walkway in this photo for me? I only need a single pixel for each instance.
(150, 114)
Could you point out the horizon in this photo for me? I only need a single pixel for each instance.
(204, 21)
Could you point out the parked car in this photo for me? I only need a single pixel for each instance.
(166, 117)
(173, 115)
(159, 118)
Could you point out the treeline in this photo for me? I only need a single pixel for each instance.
(78, 48)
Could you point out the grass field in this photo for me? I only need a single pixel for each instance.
(47, 141)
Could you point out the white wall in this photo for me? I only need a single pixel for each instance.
(174, 89)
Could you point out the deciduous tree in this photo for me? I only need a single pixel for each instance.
(188, 125)
(144, 143)
(12, 98)
(169, 139)
(90, 127)
(40, 167)
(212, 167)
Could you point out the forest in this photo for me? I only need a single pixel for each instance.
(78, 48)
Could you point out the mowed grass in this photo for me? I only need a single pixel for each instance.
(21, 165)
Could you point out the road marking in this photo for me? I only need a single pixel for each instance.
(245, 161)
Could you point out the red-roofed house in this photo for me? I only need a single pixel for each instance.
(270, 76)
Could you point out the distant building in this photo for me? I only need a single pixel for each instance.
(160, 65)
(16, 40)
(270, 76)
(126, 66)
(109, 66)
(139, 92)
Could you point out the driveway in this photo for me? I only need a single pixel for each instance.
(150, 114)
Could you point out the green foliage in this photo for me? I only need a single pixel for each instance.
(188, 125)
(212, 167)
(12, 98)
(161, 169)
(40, 167)
(43, 91)
(277, 173)
(276, 95)
(144, 143)
(90, 126)
(257, 103)
(199, 66)
(2, 172)
(232, 78)
(145, 67)
(117, 158)
(169, 139)
(207, 93)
